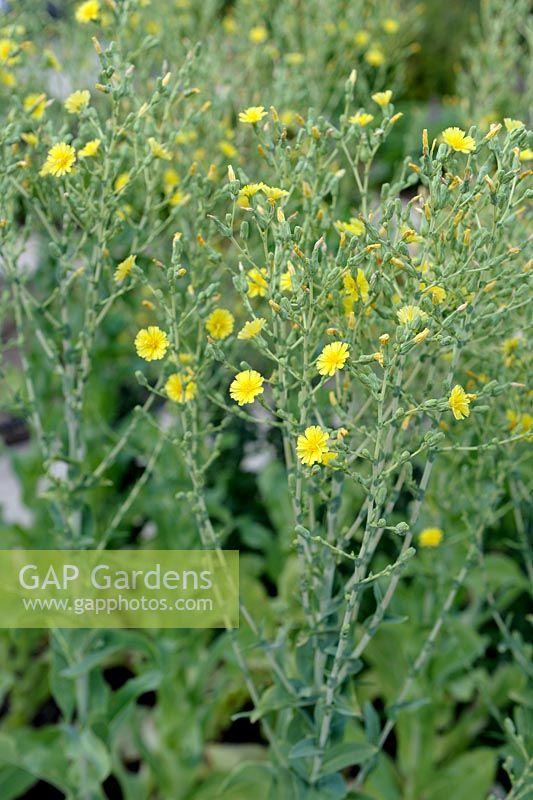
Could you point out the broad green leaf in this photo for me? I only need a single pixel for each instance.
(345, 755)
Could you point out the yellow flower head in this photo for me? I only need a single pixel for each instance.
(438, 295)
(30, 138)
(158, 150)
(312, 446)
(227, 149)
(358, 288)
(59, 160)
(78, 100)
(332, 358)
(258, 34)
(121, 181)
(512, 124)
(179, 389)
(151, 343)
(247, 192)
(251, 328)
(273, 194)
(257, 285)
(90, 149)
(355, 227)
(295, 59)
(382, 98)
(89, 11)
(459, 402)
(526, 154)
(458, 140)
(285, 282)
(422, 336)
(361, 38)
(390, 25)
(246, 386)
(124, 268)
(374, 57)
(361, 119)
(526, 420)
(219, 323)
(35, 104)
(252, 115)
(407, 314)
(7, 49)
(430, 537)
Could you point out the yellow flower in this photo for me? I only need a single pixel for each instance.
(312, 446)
(332, 358)
(7, 78)
(374, 57)
(273, 194)
(90, 149)
(77, 100)
(285, 282)
(121, 181)
(89, 11)
(512, 124)
(430, 537)
(512, 418)
(527, 422)
(361, 38)
(7, 48)
(382, 98)
(251, 328)
(459, 402)
(124, 268)
(358, 288)
(361, 119)
(229, 24)
(407, 314)
(379, 358)
(458, 140)
(151, 343)
(410, 236)
(248, 191)
(227, 149)
(37, 104)
(294, 59)
(179, 199)
(390, 25)
(510, 345)
(158, 150)
(179, 389)
(422, 336)
(170, 179)
(355, 227)
(258, 34)
(252, 115)
(59, 160)
(246, 386)
(219, 323)
(526, 154)
(257, 285)
(30, 138)
(438, 294)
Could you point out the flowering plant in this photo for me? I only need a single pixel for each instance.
(240, 330)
